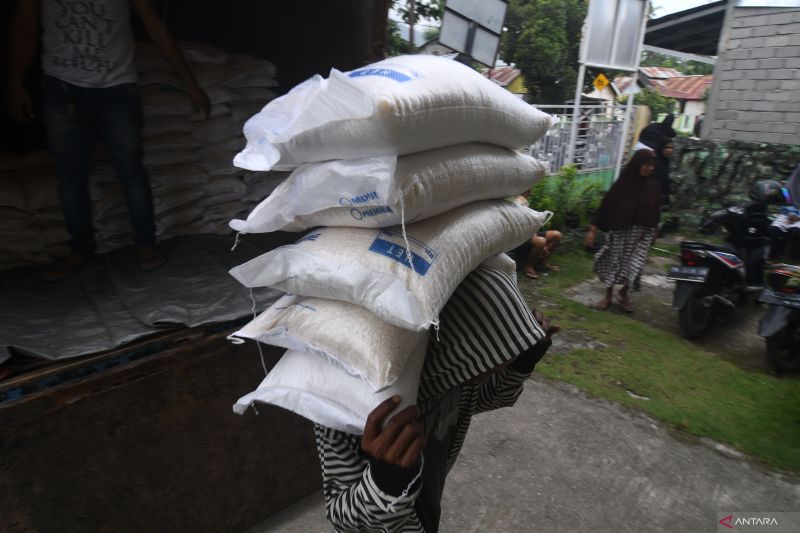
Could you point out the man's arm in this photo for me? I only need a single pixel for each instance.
(363, 491)
(163, 40)
(24, 43)
(504, 388)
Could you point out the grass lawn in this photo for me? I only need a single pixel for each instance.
(687, 387)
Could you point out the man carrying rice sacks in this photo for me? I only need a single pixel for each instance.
(422, 145)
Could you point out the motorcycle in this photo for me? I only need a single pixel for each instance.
(714, 279)
(781, 325)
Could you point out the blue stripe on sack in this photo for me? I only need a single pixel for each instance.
(399, 254)
(383, 72)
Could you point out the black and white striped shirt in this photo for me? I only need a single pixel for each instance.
(485, 324)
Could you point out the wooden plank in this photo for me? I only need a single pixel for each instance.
(155, 446)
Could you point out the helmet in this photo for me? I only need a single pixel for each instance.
(767, 192)
(793, 187)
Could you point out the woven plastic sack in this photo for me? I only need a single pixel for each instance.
(382, 191)
(404, 279)
(504, 263)
(322, 392)
(348, 335)
(400, 105)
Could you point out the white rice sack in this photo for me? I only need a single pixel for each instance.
(348, 335)
(322, 392)
(185, 174)
(160, 77)
(171, 197)
(41, 190)
(155, 126)
(382, 191)
(210, 74)
(233, 144)
(217, 110)
(161, 100)
(372, 268)
(12, 218)
(216, 129)
(221, 213)
(400, 105)
(247, 71)
(162, 158)
(253, 95)
(220, 191)
(218, 164)
(147, 58)
(504, 263)
(12, 194)
(242, 112)
(203, 52)
(171, 142)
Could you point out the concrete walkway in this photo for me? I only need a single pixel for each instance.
(560, 461)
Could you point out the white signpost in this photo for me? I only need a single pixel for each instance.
(613, 34)
(473, 27)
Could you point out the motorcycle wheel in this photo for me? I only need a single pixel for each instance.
(695, 318)
(783, 351)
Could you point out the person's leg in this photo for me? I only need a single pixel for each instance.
(118, 119)
(624, 301)
(534, 256)
(778, 238)
(603, 304)
(552, 240)
(70, 140)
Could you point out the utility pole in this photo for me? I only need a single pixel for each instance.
(411, 17)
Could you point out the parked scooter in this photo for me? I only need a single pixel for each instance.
(781, 325)
(714, 279)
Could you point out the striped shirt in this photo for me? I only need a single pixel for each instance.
(486, 324)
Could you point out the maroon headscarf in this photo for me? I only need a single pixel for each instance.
(633, 200)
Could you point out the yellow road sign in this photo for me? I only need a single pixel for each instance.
(600, 82)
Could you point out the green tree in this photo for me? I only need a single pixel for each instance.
(658, 104)
(543, 39)
(423, 9)
(395, 44)
(431, 34)
(689, 68)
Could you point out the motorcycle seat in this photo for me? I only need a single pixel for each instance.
(721, 247)
(725, 248)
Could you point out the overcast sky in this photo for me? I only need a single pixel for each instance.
(665, 7)
(661, 8)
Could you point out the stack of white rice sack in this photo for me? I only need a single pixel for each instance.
(31, 223)
(196, 188)
(400, 167)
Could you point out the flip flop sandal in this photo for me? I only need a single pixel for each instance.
(602, 305)
(61, 271)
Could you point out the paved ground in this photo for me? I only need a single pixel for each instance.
(561, 461)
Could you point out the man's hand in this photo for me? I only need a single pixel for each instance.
(401, 442)
(199, 99)
(549, 329)
(590, 236)
(20, 104)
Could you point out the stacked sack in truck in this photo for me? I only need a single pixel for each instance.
(400, 168)
(196, 188)
(31, 224)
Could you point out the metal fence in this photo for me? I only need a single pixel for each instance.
(597, 143)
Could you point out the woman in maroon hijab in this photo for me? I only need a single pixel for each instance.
(629, 213)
